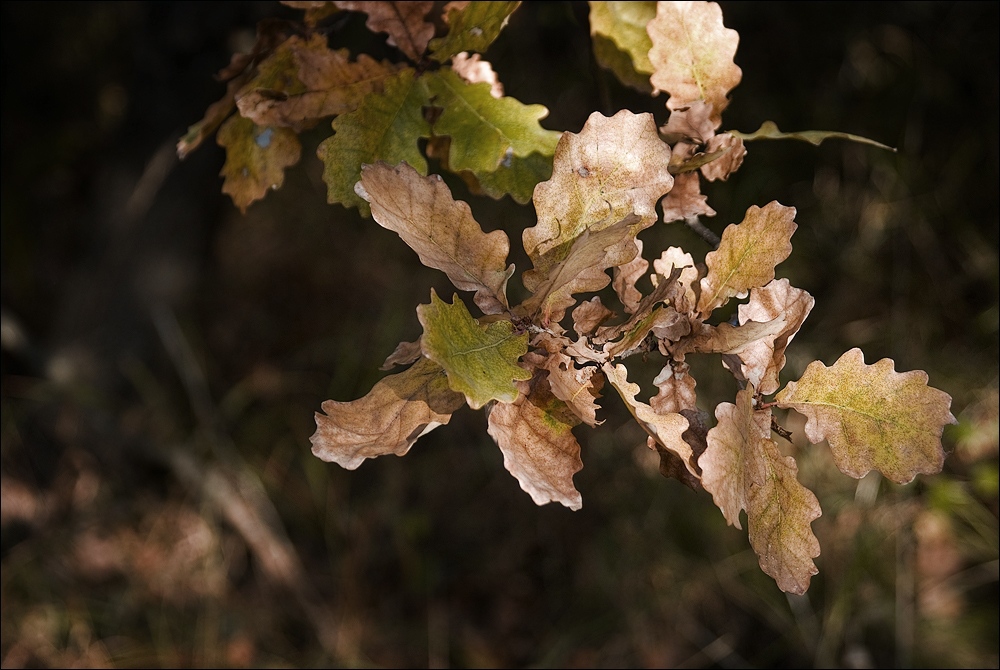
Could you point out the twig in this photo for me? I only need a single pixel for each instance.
(695, 224)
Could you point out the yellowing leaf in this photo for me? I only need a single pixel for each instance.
(778, 298)
(385, 127)
(692, 55)
(747, 254)
(614, 167)
(441, 230)
(744, 470)
(485, 131)
(533, 432)
(303, 80)
(481, 361)
(872, 416)
(398, 410)
(472, 27)
(621, 43)
(666, 429)
(770, 131)
(256, 159)
(403, 21)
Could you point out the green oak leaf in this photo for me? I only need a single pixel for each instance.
(486, 132)
(769, 131)
(472, 28)
(385, 127)
(481, 361)
(621, 43)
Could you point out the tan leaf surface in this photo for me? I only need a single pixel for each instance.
(578, 387)
(441, 230)
(767, 303)
(685, 199)
(747, 254)
(403, 21)
(404, 354)
(398, 410)
(539, 449)
(691, 123)
(675, 257)
(872, 416)
(666, 429)
(624, 277)
(692, 55)
(256, 159)
(477, 71)
(752, 343)
(590, 314)
(744, 470)
(729, 162)
(303, 80)
(614, 167)
(676, 389)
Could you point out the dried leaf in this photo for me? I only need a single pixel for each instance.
(303, 80)
(575, 386)
(625, 276)
(676, 389)
(730, 159)
(216, 113)
(691, 124)
(872, 416)
(769, 131)
(404, 354)
(767, 303)
(403, 21)
(441, 230)
(590, 314)
(675, 257)
(477, 71)
(692, 55)
(472, 27)
(613, 168)
(385, 127)
(744, 470)
(485, 131)
(539, 449)
(481, 361)
(747, 254)
(398, 410)
(256, 159)
(666, 429)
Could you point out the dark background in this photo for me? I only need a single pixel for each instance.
(163, 356)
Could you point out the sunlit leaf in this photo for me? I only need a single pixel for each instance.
(533, 432)
(398, 410)
(769, 131)
(481, 361)
(385, 127)
(692, 55)
(256, 159)
(475, 70)
(440, 229)
(747, 254)
(744, 470)
(403, 21)
(872, 416)
(472, 27)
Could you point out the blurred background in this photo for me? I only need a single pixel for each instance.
(163, 356)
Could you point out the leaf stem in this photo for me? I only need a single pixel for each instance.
(695, 224)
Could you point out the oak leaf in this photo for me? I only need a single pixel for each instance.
(778, 298)
(625, 276)
(440, 229)
(730, 160)
(216, 113)
(744, 470)
(385, 127)
(769, 131)
(578, 387)
(747, 254)
(515, 176)
(303, 80)
(256, 159)
(481, 361)
(590, 314)
(399, 409)
(691, 124)
(471, 27)
(692, 55)
(485, 131)
(687, 281)
(403, 21)
(475, 70)
(666, 429)
(872, 416)
(621, 43)
(539, 449)
(676, 389)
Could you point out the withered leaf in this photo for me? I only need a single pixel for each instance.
(691, 123)
(770, 131)
(481, 361)
(747, 254)
(441, 230)
(778, 298)
(403, 21)
(872, 416)
(398, 410)
(404, 354)
(216, 113)
(475, 70)
(578, 387)
(687, 281)
(625, 276)
(744, 470)
(471, 27)
(666, 429)
(303, 80)
(385, 127)
(676, 389)
(590, 314)
(730, 160)
(685, 199)
(539, 449)
(692, 55)
(256, 159)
